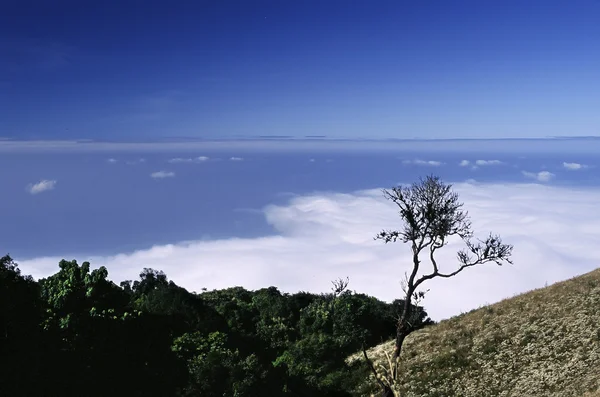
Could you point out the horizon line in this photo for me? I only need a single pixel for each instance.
(248, 144)
(285, 138)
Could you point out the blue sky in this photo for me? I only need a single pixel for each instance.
(133, 70)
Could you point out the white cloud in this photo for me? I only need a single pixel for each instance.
(198, 159)
(322, 237)
(432, 163)
(542, 176)
(236, 159)
(574, 166)
(162, 174)
(41, 186)
(478, 163)
(488, 162)
(111, 160)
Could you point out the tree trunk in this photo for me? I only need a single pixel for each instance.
(402, 330)
(400, 336)
(387, 392)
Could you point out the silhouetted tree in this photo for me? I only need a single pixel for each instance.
(431, 215)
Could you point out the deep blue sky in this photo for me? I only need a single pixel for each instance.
(138, 70)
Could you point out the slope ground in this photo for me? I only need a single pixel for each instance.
(542, 343)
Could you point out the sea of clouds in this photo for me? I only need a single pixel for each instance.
(321, 237)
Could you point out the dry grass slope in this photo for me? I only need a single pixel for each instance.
(542, 343)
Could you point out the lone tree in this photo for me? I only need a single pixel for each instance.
(431, 215)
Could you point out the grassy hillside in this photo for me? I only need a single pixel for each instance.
(542, 343)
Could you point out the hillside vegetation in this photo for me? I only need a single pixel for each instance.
(77, 333)
(542, 343)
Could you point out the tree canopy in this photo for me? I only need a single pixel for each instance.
(78, 333)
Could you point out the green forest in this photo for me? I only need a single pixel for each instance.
(79, 333)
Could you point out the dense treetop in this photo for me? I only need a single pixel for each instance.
(78, 333)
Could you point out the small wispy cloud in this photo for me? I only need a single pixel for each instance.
(431, 163)
(312, 160)
(479, 163)
(198, 159)
(488, 162)
(542, 176)
(162, 174)
(41, 186)
(111, 161)
(236, 159)
(138, 161)
(574, 166)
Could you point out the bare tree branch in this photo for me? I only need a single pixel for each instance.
(339, 286)
(372, 368)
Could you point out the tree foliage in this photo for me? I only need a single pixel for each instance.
(77, 332)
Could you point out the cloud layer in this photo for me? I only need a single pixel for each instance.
(513, 146)
(322, 237)
(41, 186)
